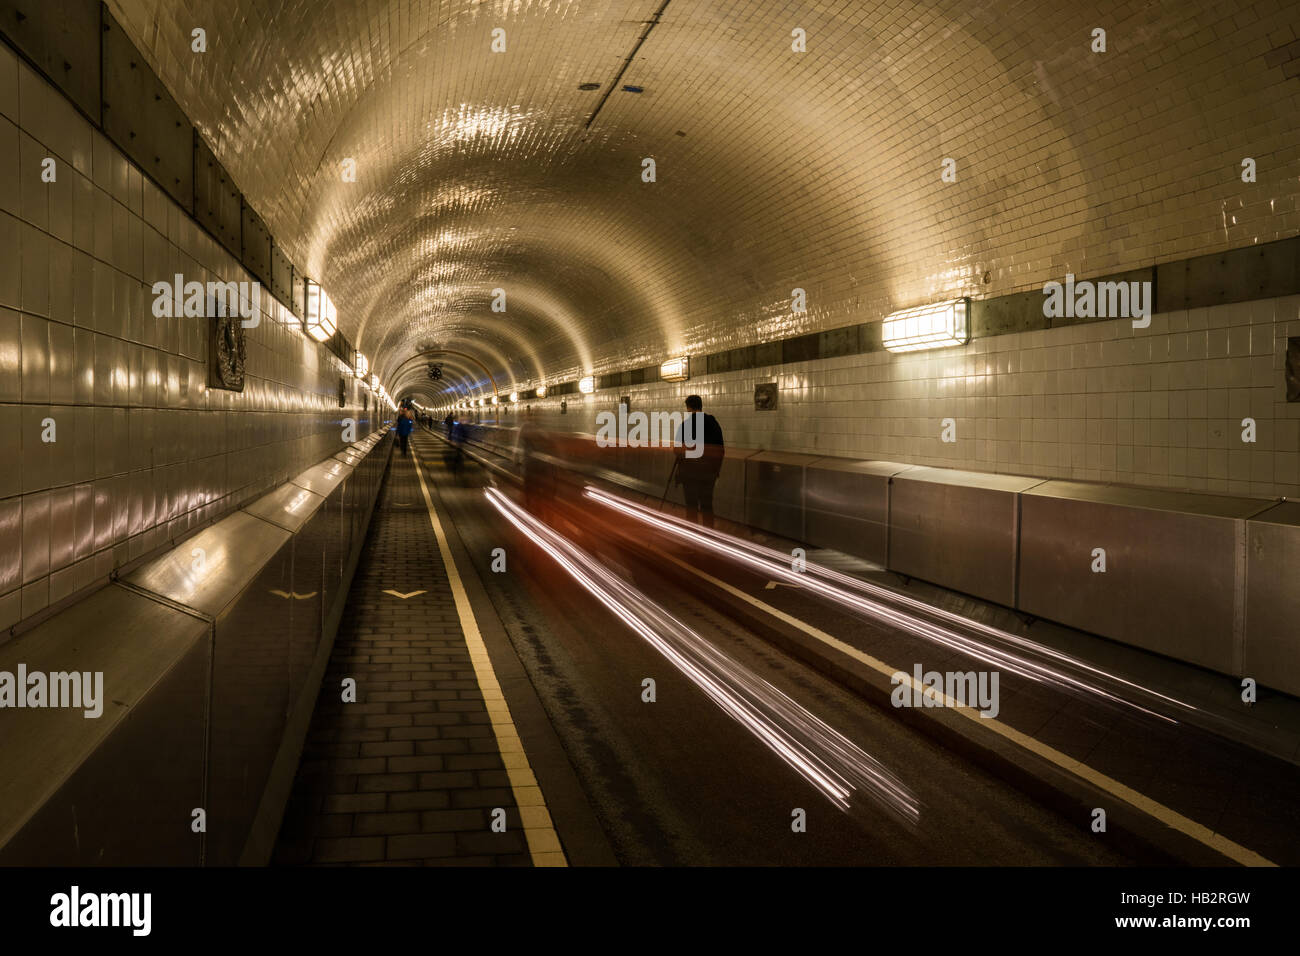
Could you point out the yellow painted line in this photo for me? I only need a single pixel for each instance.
(543, 842)
(1169, 817)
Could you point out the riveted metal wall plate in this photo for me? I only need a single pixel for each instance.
(1254, 272)
(217, 202)
(143, 119)
(62, 40)
(281, 275)
(255, 245)
(298, 293)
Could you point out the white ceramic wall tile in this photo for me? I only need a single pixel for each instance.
(79, 345)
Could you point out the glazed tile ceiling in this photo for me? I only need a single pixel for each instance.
(478, 170)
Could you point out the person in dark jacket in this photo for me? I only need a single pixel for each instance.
(697, 473)
(405, 425)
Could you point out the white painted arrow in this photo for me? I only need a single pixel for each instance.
(294, 595)
(773, 585)
(399, 594)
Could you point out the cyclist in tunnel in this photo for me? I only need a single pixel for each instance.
(697, 473)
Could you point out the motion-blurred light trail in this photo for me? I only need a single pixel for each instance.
(997, 648)
(824, 757)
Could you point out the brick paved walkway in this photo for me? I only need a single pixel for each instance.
(409, 773)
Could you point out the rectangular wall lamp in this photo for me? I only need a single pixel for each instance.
(934, 326)
(676, 369)
(587, 384)
(320, 319)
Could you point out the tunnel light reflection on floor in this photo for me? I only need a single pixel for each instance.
(991, 645)
(825, 758)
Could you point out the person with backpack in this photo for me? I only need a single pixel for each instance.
(697, 473)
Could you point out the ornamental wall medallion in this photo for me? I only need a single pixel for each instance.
(226, 353)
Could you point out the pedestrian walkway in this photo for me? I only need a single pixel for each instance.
(413, 771)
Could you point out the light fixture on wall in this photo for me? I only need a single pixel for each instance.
(494, 399)
(320, 313)
(934, 326)
(676, 369)
(541, 391)
(514, 397)
(362, 365)
(587, 384)
(374, 382)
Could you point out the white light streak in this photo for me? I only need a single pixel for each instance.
(825, 758)
(875, 602)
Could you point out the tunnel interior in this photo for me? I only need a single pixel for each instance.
(326, 329)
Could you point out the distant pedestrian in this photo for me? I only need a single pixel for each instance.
(449, 422)
(697, 473)
(405, 425)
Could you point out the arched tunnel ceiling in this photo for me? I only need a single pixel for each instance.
(477, 170)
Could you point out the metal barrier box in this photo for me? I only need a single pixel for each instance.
(1272, 647)
(246, 562)
(729, 494)
(957, 529)
(846, 506)
(1173, 580)
(774, 492)
(129, 777)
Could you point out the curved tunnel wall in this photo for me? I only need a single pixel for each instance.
(144, 451)
(775, 169)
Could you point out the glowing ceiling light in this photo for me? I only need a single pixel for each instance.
(587, 384)
(676, 369)
(320, 313)
(928, 326)
(541, 391)
(362, 365)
